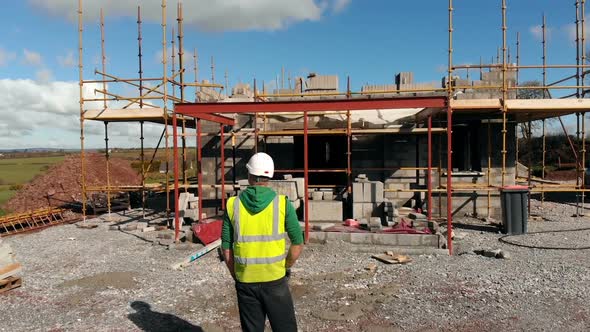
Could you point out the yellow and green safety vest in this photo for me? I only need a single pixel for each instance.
(259, 240)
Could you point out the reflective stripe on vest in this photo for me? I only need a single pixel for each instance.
(259, 240)
(238, 237)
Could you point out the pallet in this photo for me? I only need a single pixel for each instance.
(10, 283)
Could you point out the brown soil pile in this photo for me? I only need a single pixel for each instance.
(561, 175)
(61, 184)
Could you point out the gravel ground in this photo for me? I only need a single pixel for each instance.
(98, 279)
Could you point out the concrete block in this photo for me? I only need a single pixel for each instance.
(321, 226)
(375, 222)
(317, 195)
(288, 176)
(328, 196)
(336, 236)
(317, 237)
(357, 192)
(325, 211)
(373, 192)
(357, 210)
(284, 187)
(300, 184)
(361, 238)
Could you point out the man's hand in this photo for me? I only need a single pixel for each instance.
(294, 252)
(228, 255)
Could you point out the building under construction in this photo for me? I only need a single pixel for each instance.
(445, 148)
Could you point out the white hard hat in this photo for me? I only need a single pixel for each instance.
(261, 164)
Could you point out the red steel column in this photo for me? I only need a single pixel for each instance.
(222, 148)
(199, 171)
(430, 167)
(306, 176)
(176, 206)
(449, 179)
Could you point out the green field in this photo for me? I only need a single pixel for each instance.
(18, 171)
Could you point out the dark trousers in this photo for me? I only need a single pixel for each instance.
(257, 301)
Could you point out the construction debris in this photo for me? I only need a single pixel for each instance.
(391, 258)
(10, 269)
(196, 255)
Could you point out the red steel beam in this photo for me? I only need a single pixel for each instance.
(449, 179)
(199, 170)
(196, 109)
(430, 168)
(208, 117)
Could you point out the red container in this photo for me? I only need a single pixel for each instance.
(208, 232)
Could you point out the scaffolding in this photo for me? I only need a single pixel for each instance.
(439, 109)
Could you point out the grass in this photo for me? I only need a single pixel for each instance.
(18, 171)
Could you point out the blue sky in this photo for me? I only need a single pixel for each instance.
(369, 40)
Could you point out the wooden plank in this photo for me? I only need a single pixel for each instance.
(553, 105)
(10, 283)
(392, 259)
(10, 270)
(197, 255)
(476, 104)
(124, 114)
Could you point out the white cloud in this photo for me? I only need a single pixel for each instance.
(340, 5)
(44, 75)
(6, 57)
(537, 32)
(218, 15)
(570, 30)
(48, 116)
(187, 57)
(32, 58)
(67, 60)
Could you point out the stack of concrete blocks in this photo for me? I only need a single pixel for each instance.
(323, 208)
(188, 206)
(293, 188)
(9, 267)
(367, 199)
(400, 152)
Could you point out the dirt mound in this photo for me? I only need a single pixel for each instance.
(61, 184)
(561, 175)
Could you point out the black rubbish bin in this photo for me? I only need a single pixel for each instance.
(514, 209)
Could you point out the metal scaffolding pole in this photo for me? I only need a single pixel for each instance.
(180, 21)
(81, 91)
(450, 137)
(165, 102)
(141, 138)
(106, 134)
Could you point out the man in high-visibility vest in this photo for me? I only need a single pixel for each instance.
(255, 226)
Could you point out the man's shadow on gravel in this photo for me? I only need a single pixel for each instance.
(148, 320)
